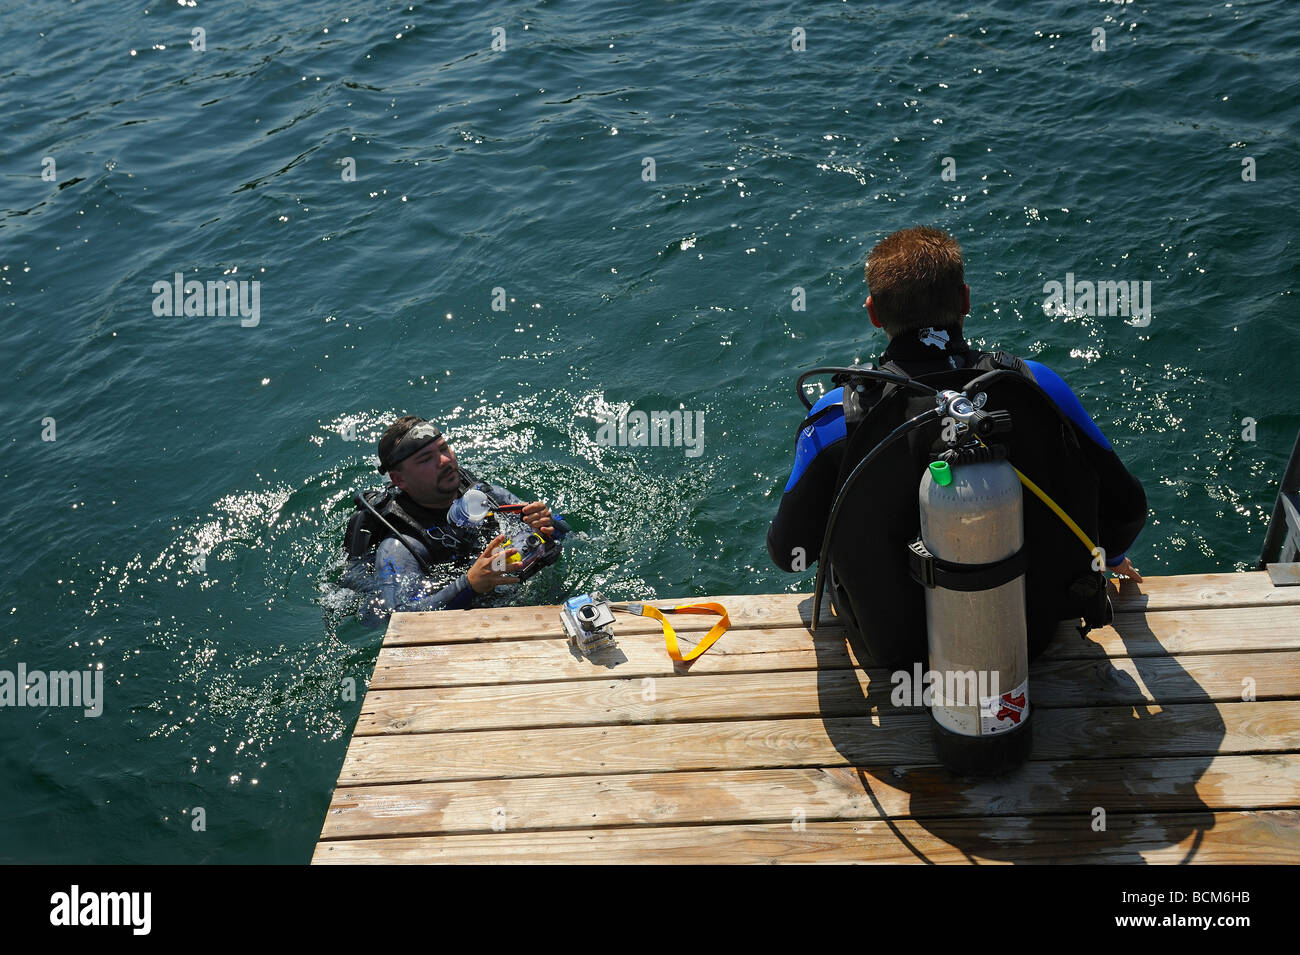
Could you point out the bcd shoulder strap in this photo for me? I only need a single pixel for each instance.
(862, 393)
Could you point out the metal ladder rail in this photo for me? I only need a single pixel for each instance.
(1282, 541)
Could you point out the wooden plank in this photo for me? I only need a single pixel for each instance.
(637, 655)
(1270, 781)
(1136, 680)
(789, 648)
(1183, 632)
(884, 738)
(773, 611)
(746, 611)
(786, 693)
(1200, 591)
(1258, 837)
(610, 702)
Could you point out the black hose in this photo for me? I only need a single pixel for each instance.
(864, 372)
(361, 500)
(973, 386)
(904, 428)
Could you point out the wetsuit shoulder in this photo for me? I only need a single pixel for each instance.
(823, 427)
(796, 531)
(1065, 399)
(1123, 505)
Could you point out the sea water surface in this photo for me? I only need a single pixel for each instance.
(650, 190)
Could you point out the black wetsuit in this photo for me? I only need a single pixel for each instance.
(396, 580)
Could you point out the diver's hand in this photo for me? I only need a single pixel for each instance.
(484, 576)
(1127, 569)
(538, 516)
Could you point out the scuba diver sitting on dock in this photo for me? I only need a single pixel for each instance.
(433, 513)
(882, 427)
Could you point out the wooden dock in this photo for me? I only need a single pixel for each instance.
(1171, 736)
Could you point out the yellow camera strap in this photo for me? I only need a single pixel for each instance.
(670, 635)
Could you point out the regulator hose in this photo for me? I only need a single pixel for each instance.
(864, 372)
(907, 426)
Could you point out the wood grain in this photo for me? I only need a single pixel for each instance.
(1183, 784)
(642, 655)
(826, 692)
(1231, 838)
(884, 738)
(779, 745)
(1191, 592)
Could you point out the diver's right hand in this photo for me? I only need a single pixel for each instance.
(483, 576)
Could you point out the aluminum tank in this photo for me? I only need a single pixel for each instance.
(978, 651)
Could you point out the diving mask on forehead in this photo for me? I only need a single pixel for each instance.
(423, 434)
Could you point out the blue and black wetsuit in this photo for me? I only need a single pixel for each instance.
(795, 536)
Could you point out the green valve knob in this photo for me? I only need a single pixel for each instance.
(941, 473)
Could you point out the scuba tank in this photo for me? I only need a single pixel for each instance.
(975, 607)
(970, 560)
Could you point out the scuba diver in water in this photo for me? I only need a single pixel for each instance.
(405, 541)
(919, 296)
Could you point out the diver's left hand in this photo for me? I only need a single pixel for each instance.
(538, 516)
(1127, 569)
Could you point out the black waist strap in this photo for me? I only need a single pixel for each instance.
(929, 571)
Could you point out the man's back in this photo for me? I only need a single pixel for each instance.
(1053, 440)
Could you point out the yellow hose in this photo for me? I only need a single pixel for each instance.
(1056, 508)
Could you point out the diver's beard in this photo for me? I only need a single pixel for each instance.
(436, 499)
(442, 496)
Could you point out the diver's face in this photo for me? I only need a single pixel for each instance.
(431, 475)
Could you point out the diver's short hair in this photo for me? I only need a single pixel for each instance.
(917, 278)
(395, 433)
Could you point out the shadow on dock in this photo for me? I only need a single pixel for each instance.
(1103, 755)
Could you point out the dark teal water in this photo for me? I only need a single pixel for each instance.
(182, 529)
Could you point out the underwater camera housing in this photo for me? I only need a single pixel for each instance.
(535, 551)
(588, 621)
(474, 507)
